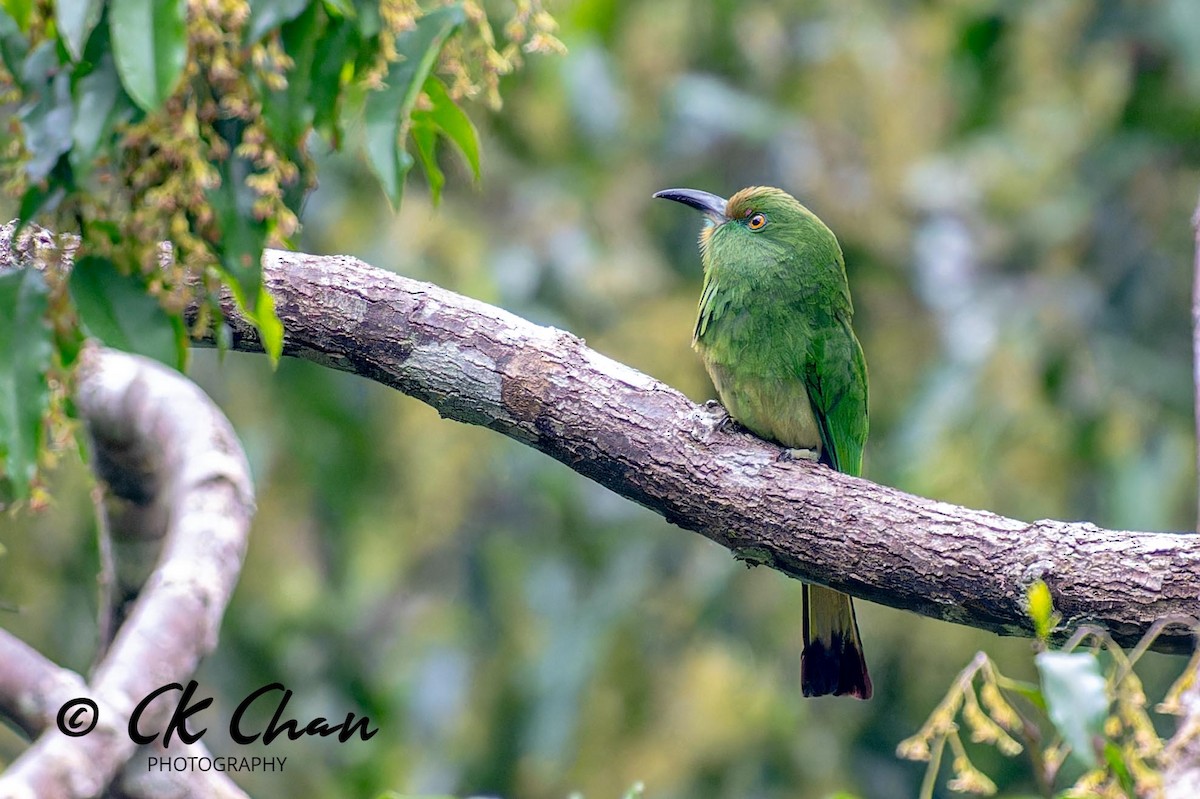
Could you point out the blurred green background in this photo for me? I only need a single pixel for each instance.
(1012, 185)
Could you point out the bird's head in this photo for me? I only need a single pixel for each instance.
(758, 220)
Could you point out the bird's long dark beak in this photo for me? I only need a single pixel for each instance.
(709, 204)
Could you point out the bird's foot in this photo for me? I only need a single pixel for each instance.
(800, 455)
(722, 421)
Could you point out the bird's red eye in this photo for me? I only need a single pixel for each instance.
(756, 222)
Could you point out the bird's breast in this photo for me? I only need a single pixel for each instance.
(771, 407)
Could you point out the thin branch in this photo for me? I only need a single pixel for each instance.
(644, 440)
(106, 580)
(164, 448)
(32, 688)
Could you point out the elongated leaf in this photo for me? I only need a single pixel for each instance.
(270, 329)
(340, 8)
(1116, 763)
(25, 353)
(76, 19)
(242, 235)
(1028, 690)
(99, 106)
(21, 12)
(241, 242)
(116, 309)
(452, 122)
(389, 109)
(389, 162)
(268, 14)
(45, 123)
(1076, 699)
(289, 112)
(335, 48)
(149, 41)
(425, 137)
(13, 45)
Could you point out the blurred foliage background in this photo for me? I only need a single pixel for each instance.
(1012, 185)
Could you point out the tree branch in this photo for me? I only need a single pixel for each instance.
(172, 460)
(32, 689)
(543, 387)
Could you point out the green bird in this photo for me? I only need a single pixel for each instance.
(774, 334)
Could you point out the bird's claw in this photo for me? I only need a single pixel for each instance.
(799, 455)
(722, 421)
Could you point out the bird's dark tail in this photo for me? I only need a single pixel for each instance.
(832, 661)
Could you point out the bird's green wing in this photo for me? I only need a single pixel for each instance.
(836, 378)
(713, 304)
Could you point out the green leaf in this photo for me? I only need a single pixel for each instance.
(289, 112)
(242, 234)
(1116, 764)
(240, 248)
(265, 15)
(21, 11)
(425, 137)
(99, 106)
(46, 122)
(116, 309)
(13, 45)
(25, 355)
(1029, 690)
(389, 162)
(149, 41)
(340, 8)
(334, 49)
(270, 329)
(370, 23)
(445, 118)
(388, 110)
(76, 19)
(1076, 700)
(452, 122)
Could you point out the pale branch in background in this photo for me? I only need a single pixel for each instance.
(172, 462)
(32, 689)
(478, 364)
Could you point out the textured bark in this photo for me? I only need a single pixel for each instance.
(172, 459)
(543, 387)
